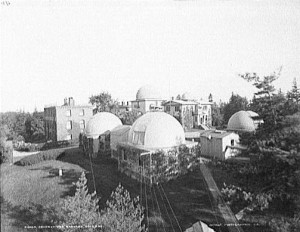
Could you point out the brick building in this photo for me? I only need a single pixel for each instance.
(66, 122)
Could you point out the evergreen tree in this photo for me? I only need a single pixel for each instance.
(122, 213)
(235, 104)
(80, 212)
(217, 115)
(210, 98)
(293, 96)
(265, 101)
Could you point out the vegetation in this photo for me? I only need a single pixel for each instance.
(123, 213)
(81, 211)
(235, 104)
(103, 102)
(270, 182)
(41, 156)
(18, 125)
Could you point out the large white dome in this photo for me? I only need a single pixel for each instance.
(156, 130)
(242, 121)
(147, 92)
(100, 123)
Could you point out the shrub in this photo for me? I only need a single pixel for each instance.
(123, 214)
(41, 156)
(81, 212)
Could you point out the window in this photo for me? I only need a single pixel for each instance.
(138, 137)
(140, 162)
(204, 107)
(167, 108)
(177, 108)
(69, 125)
(81, 112)
(68, 113)
(232, 142)
(82, 124)
(124, 156)
(69, 137)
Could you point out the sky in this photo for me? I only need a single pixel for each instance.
(53, 49)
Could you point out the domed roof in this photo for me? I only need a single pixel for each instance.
(147, 92)
(187, 96)
(156, 130)
(242, 121)
(100, 123)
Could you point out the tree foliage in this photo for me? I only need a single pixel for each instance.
(217, 114)
(235, 104)
(265, 101)
(29, 126)
(123, 214)
(274, 148)
(81, 212)
(103, 102)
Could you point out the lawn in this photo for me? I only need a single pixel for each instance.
(30, 194)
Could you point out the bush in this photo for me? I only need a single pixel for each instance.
(41, 156)
(51, 145)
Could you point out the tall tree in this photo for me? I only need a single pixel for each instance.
(293, 96)
(210, 98)
(265, 101)
(235, 104)
(217, 114)
(123, 213)
(81, 210)
(103, 102)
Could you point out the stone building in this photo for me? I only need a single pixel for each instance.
(96, 140)
(147, 99)
(152, 147)
(66, 122)
(190, 113)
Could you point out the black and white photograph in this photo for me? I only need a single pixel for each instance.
(150, 115)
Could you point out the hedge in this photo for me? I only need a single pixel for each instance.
(41, 156)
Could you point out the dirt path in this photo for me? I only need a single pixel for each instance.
(230, 219)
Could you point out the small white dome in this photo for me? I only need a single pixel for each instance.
(147, 92)
(187, 96)
(100, 123)
(156, 130)
(242, 121)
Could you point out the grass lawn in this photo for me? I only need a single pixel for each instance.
(30, 194)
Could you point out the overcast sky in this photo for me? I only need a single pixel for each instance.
(53, 49)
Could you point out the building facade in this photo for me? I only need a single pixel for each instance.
(148, 99)
(191, 114)
(152, 149)
(96, 140)
(66, 122)
(219, 144)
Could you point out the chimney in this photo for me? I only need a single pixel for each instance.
(122, 103)
(65, 101)
(128, 103)
(172, 98)
(71, 101)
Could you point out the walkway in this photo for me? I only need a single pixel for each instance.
(230, 219)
